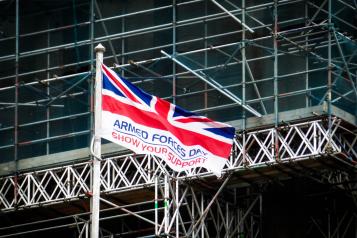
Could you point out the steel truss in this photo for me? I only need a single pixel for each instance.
(189, 211)
(187, 207)
(176, 208)
(252, 149)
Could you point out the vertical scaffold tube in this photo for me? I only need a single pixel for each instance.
(276, 83)
(166, 205)
(329, 73)
(244, 61)
(16, 109)
(156, 206)
(177, 207)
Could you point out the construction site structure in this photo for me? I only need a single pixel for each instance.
(282, 72)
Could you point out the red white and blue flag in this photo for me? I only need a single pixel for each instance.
(147, 124)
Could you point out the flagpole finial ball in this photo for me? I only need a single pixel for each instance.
(99, 48)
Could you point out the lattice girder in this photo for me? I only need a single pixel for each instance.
(254, 148)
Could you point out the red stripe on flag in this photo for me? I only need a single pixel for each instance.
(186, 120)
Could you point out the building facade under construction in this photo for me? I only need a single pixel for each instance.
(282, 72)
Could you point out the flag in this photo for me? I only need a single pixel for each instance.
(147, 124)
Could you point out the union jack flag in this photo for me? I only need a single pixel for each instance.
(147, 124)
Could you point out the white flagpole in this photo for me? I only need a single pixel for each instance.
(95, 208)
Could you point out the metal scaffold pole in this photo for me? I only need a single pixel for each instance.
(95, 186)
(329, 72)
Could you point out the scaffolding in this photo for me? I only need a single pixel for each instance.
(284, 73)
